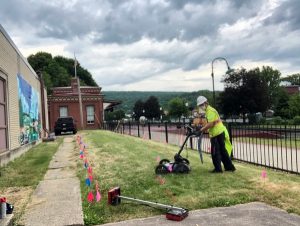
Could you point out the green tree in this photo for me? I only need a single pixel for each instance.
(294, 105)
(138, 109)
(39, 61)
(47, 81)
(59, 75)
(282, 106)
(151, 107)
(294, 79)
(68, 63)
(120, 114)
(177, 107)
(114, 115)
(272, 78)
(59, 70)
(245, 92)
(229, 102)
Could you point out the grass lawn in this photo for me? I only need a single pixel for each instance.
(129, 162)
(20, 177)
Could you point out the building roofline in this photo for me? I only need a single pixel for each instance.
(69, 87)
(112, 101)
(11, 42)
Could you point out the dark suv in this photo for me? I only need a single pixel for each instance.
(65, 124)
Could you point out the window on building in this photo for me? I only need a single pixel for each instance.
(90, 114)
(3, 126)
(63, 111)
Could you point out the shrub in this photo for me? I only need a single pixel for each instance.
(252, 118)
(296, 120)
(277, 120)
(263, 121)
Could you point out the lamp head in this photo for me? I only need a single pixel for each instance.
(229, 71)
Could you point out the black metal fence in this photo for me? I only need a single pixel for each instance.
(273, 146)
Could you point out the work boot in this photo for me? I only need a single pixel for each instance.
(232, 169)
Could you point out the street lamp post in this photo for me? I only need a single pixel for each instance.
(212, 75)
(187, 114)
(160, 112)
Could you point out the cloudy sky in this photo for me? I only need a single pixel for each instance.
(161, 45)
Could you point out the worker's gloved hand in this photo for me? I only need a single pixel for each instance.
(194, 130)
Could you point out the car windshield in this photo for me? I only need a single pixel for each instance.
(65, 120)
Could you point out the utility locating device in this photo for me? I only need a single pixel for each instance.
(172, 212)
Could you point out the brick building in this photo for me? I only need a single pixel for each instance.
(23, 112)
(64, 101)
(292, 89)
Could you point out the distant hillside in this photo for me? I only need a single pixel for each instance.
(129, 98)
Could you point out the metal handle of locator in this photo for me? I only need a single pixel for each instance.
(163, 206)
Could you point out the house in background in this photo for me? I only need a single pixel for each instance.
(109, 105)
(65, 101)
(292, 89)
(23, 118)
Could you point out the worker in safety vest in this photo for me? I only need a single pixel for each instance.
(221, 147)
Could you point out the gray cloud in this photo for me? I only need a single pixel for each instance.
(127, 21)
(287, 15)
(124, 42)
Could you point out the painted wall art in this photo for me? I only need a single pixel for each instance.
(30, 123)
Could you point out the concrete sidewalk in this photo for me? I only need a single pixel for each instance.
(57, 199)
(250, 214)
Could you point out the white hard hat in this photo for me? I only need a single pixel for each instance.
(201, 100)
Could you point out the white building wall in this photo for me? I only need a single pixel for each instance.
(13, 63)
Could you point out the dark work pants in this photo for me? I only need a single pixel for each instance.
(219, 153)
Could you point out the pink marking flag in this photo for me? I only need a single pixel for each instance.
(98, 196)
(263, 174)
(81, 156)
(90, 197)
(90, 170)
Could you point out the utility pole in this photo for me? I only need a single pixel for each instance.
(79, 94)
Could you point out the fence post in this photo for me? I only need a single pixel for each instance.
(129, 127)
(149, 130)
(166, 131)
(138, 124)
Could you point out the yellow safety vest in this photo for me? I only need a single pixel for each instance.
(213, 116)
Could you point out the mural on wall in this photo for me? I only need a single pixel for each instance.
(30, 123)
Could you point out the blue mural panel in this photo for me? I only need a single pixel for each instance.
(30, 123)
